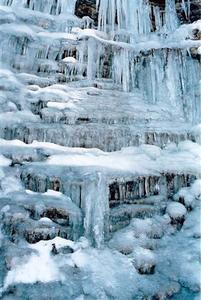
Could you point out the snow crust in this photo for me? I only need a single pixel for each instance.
(145, 159)
(141, 160)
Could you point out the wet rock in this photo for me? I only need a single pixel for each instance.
(36, 217)
(195, 9)
(57, 215)
(54, 250)
(66, 250)
(85, 8)
(130, 191)
(34, 235)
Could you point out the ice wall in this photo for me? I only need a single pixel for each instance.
(169, 72)
(137, 45)
(166, 68)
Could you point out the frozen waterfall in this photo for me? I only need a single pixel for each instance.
(100, 155)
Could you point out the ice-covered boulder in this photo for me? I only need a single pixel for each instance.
(35, 217)
(189, 195)
(177, 213)
(144, 260)
(185, 197)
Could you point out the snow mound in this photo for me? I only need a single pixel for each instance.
(176, 210)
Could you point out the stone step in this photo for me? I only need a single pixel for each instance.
(121, 190)
(137, 196)
(105, 137)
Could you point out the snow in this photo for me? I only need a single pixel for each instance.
(183, 261)
(189, 194)
(11, 184)
(46, 220)
(196, 189)
(196, 131)
(143, 258)
(39, 266)
(102, 272)
(61, 105)
(53, 193)
(4, 162)
(69, 60)
(176, 210)
(185, 195)
(140, 160)
(146, 159)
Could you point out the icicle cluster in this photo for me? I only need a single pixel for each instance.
(157, 72)
(47, 6)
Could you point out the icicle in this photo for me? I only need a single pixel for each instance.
(91, 67)
(96, 208)
(157, 18)
(171, 19)
(186, 6)
(121, 72)
(125, 14)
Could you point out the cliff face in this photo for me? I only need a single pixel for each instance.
(88, 8)
(195, 12)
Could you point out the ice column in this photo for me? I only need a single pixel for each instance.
(133, 16)
(171, 19)
(96, 208)
(186, 6)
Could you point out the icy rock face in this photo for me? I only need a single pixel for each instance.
(48, 45)
(139, 27)
(42, 217)
(191, 11)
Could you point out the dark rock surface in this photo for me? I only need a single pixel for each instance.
(86, 8)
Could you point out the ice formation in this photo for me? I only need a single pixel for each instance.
(100, 153)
